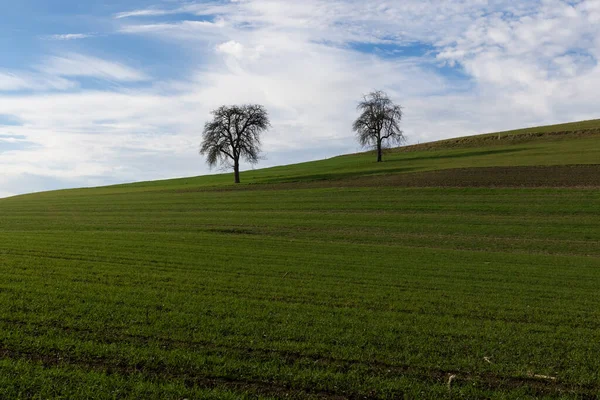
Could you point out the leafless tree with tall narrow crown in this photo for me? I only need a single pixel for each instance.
(234, 134)
(378, 124)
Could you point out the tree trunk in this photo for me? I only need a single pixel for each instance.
(236, 171)
(379, 151)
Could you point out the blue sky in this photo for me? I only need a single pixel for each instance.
(100, 92)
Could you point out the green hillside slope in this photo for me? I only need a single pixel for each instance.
(447, 271)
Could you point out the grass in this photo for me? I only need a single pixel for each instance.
(569, 130)
(282, 288)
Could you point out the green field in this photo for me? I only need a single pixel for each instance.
(341, 278)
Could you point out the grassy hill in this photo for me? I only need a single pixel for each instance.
(466, 268)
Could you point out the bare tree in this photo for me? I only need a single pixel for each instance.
(378, 125)
(234, 133)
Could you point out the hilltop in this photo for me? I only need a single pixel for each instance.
(571, 130)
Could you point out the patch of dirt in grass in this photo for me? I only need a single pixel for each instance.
(233, 231)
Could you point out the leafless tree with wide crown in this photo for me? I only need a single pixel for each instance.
(234, 134)
(378, 124)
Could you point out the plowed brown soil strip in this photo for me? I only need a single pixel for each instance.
(553, 176)
(526, 176)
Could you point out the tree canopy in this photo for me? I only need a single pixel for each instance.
(234, 134)
(378, 124)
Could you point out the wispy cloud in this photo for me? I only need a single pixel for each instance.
(69, 36)
(12, 81)
(144, 13)
(59, 73)
(79, 65)
(203, 8)
(199, 30)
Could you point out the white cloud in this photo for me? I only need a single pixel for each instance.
(531, 60)
(198, 9)
(183, 30)
(143, 13)
(16, 81)
(231, 48)
(81, 65)
(69, 36)
(56, 73)
(238, 51)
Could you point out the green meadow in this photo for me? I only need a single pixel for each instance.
(333, 279)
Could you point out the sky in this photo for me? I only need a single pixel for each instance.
(102, 92)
